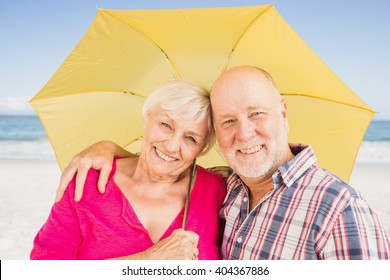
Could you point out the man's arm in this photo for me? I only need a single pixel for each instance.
(99, 156)
(357, 234)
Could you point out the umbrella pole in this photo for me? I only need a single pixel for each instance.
(190, 185)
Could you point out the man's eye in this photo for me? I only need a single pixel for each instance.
(256, 114)
(227, 123)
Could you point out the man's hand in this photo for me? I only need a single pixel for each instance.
(100, 157)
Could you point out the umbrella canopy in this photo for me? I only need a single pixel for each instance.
(98, 92)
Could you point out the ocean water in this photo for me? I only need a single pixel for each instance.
(23, 137)
(375, 147)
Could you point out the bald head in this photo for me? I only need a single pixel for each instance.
(245, 76)
(250, 119)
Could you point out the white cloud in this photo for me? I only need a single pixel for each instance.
(15, 105)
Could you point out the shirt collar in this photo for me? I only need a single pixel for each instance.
(288, 173)
(291, 171)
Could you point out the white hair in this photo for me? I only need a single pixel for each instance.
(187, 99)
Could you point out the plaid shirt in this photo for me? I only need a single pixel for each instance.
(310, 214)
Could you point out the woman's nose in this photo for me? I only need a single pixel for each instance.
(173, 143)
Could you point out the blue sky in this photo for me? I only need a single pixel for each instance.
(351, 36)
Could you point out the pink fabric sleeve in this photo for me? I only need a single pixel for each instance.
(59, 238)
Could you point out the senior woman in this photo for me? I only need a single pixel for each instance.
(141, 212)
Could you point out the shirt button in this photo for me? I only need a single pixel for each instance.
(245, 199)
(239, 240)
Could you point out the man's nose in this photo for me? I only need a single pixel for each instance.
(246, 130)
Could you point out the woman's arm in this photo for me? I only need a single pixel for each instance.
(60, 236)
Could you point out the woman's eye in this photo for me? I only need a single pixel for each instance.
(165, 125)
(192, 139)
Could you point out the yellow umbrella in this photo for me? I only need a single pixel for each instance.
(97, 92)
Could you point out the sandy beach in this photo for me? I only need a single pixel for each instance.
(27, 194)
(28, 189)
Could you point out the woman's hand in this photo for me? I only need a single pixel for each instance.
(180, 245)
(98, 156)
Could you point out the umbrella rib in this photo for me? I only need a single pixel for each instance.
(242, 35)
(132, 141)
(329, 100)
(35, 99)
(170, 62)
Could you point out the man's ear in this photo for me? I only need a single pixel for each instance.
(284, 112)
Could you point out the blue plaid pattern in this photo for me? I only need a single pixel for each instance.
(310, 214)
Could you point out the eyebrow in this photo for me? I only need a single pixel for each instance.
(250, 108)
(164, 114)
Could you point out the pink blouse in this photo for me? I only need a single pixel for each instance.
(106, 226)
